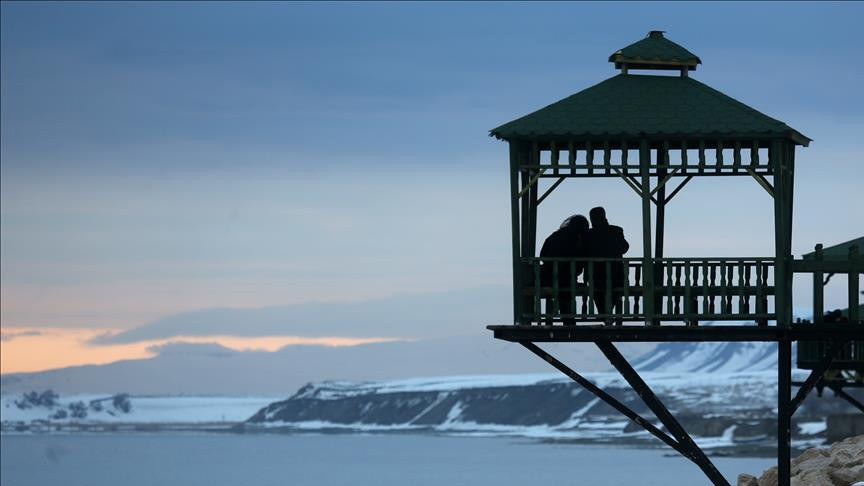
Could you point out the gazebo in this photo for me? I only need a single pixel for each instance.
(656, 132)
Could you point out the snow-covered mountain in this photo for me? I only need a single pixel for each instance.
(728, 357)
(723, 393)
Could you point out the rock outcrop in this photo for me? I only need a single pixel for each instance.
(840, 465)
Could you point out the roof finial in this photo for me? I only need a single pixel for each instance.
(655, 52)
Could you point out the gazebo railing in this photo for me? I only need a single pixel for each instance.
(684, 289)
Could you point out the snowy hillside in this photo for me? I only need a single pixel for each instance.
(710, 357)
(123, 409)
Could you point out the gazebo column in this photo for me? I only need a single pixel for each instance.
(662, 159)
(647, 261)
(514, 221)
(782, 162)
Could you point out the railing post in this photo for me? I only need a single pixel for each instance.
(818, 290)
(854, 314)
(647, 260)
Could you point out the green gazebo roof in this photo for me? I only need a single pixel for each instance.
(839, 252)
(655, 52)
(631, 106)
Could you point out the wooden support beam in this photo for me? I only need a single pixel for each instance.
(515, 156)
(784, 417)
(663, 182)
(602, 395)
(531, 182)
(691, 450)
(816, 375)
(549, 191)
(678, 188)
(845, 396)
(762, 181)
(647, 260)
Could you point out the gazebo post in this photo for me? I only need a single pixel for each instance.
(662, 159)
(514, 220)
(647, 261)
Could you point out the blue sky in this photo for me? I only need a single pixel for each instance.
(162, 158)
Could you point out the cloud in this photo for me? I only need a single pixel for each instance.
(182, 348)
(407, 316)
(8, 336)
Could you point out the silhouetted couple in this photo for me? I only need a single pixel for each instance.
(574, 239)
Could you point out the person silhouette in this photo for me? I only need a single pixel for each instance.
(566, 242)
(604, 240)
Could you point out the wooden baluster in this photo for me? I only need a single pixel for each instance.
(610, 307)
(553, 157)
(688, 295)
(637, 281)
(591, 288)
(701, 156)
(538, 317)
(572, 312)
(677, 289)
(727, 288)
(818, 291)
(685, 163)
(668, 271)
(714, 285)
(556, 293)
(736, 157)
(719, 153)
(745, 304)
(624, 154)
(705, 299)
(664, 157)
(625, 309)
(853, 288)
(589, 157)
(607, 158)
(754, 155)
(759, 287)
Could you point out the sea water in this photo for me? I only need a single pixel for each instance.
(381, 460)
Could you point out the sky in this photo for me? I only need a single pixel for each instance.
(166, 160)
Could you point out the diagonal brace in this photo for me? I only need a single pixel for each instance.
(531, 182)
(692, 451)
(838, 391)
(678, 188)
(552, 188)
(762, 181)
(602, 395)
(633, 183)
(665, 180)
(816, 375)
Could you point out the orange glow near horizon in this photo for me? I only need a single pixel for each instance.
(38, 349)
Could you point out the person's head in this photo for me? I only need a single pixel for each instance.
(576, 222)
(598, 216)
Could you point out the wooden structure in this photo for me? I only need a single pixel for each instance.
(847, 368)
(656, 133)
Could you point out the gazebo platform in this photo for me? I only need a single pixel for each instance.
(667, 333)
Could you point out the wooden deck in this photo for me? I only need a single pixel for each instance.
(666, 333)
